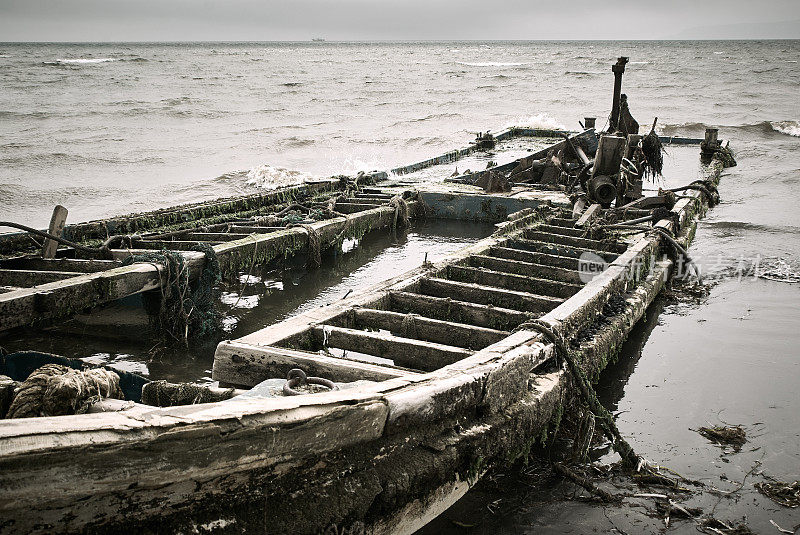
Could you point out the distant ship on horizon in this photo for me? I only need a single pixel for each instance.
(318, 40)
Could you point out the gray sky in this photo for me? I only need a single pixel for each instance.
(268, 20)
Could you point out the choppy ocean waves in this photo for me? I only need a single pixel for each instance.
(789, 128)
(492, 63)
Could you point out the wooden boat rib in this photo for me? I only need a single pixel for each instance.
(385, 455)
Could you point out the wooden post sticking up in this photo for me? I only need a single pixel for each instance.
(710, 144)
(56, 228)
(711, 136)
(589, 122)
(617, 69)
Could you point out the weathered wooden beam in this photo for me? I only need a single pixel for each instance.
(424, 328)
(534, 257)
(417, 354)
(174, 245)
(488, 295)
(253, 229)
(592, 212)
(27, 278)
(215, 237)
(59, 264)
(557, 249)
(584, 243)
(562, 222)
(352, 208)
(247, 365)
(55, 299)
(511, 281)
(460, 311)
(56, 228)
(6, 289)
(566, 231)
(526, 268)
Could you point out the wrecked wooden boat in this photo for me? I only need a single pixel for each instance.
(431, 378)
(463, 392)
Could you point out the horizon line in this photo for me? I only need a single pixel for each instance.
(324, 40)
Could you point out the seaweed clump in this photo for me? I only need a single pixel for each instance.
(786, 494)
(733, 435)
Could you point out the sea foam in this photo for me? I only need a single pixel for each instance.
(269, 177)
(790, 128)
(540, 120)
(80, 61)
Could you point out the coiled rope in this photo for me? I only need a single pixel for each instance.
(55, 390)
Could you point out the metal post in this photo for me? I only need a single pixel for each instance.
(617, 69)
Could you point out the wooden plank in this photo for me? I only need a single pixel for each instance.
(511, 281)
(174, 245)
(253, 229)
(27, 278)
(215, 237)
(247, 365)
(563, 222)
(56, 228)
(6, 289)
(460, 311)
(534, 257)
(566, 231)
(488, 295)
(592, 212)
(526, 268)
(417, 354)
(352, 208)
(59, 264)
(24, 306)
(585, 243)
(557, 249)
(424, 328)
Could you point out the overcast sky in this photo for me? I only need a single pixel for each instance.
(275, 20)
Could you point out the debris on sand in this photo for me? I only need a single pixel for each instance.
(786, 494)
(728, 435)
(712, 525)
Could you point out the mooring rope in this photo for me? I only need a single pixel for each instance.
(55, 390)
(620, 445)
(401, 216)
(314, 247)
(102, 251)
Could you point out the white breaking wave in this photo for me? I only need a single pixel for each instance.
(82, 61)
(540, 120)
(490, 64)
(790, 128)
(269, 177)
